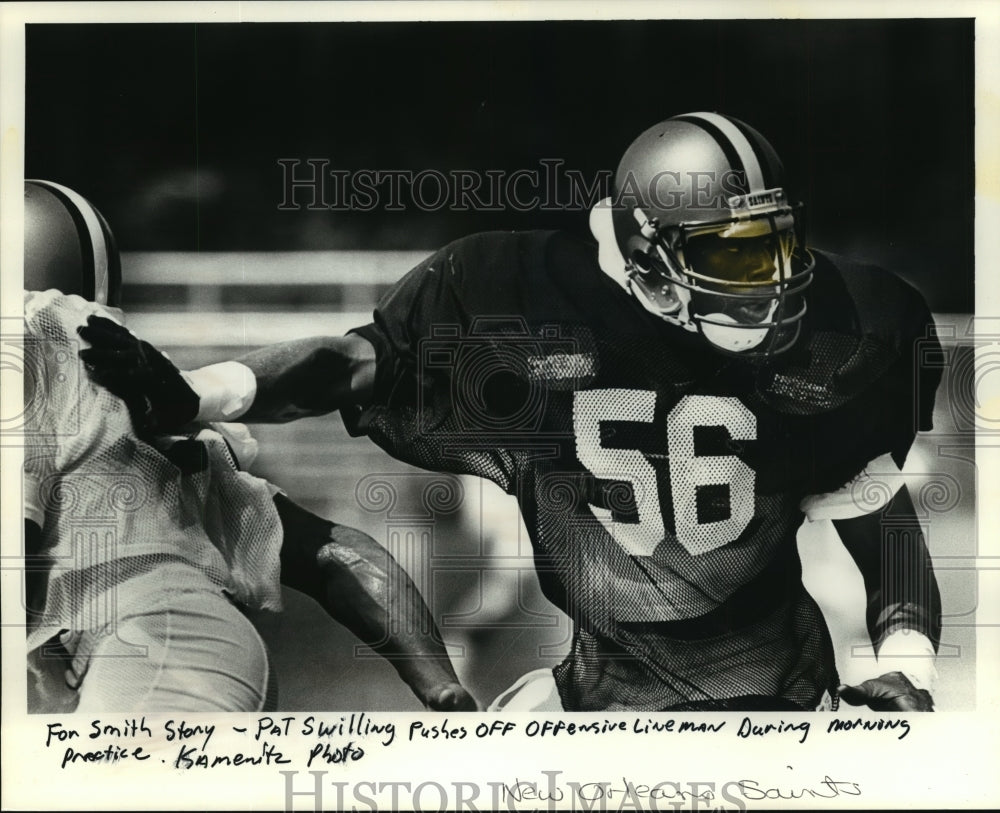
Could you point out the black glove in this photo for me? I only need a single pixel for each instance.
(158, 398)
(890, 692)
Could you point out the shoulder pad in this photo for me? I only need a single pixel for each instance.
(863, 324)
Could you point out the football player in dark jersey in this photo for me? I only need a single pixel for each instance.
(188, 544)
(668, 404)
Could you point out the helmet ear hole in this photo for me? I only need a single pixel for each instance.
(642, 261)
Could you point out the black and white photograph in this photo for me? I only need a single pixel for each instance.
(458, 406)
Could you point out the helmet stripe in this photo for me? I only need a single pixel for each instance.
(770, 162)
(93, 244)
(113, 284)
(731, 139)
(733, 158)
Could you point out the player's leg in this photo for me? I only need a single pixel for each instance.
(361, 586)
(178, 644)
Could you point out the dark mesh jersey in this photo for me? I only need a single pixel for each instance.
(660, 481)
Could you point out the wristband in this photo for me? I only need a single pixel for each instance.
(911, 653)
(225, 391)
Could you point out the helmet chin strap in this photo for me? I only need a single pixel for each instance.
(608, 256)
(673, 307)
(734, 339)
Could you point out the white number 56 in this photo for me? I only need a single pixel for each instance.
(688, 471)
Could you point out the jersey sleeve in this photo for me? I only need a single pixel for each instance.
(427, 295)
(923, 360)
(432, 352)
(929, 361)
(884, 370)
(895, 318)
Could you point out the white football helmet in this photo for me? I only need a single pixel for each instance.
(710, 240)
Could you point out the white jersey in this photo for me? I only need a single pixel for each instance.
(111, 505)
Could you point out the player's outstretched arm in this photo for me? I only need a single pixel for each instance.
(277, 383)
(904, 605)
(362, 587)
(307, 377)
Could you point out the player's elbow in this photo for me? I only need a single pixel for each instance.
(350, 362)
(352, 563)
(310, 377)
